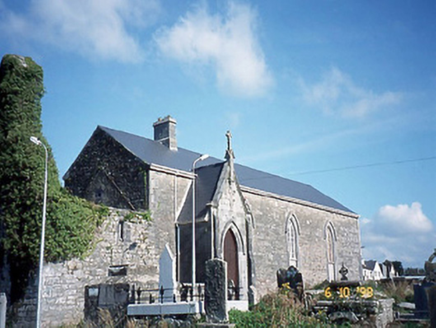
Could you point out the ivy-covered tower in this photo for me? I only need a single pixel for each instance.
(70, 221)
(21, 164)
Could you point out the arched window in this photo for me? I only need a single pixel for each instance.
(330, 237)
(292, 233)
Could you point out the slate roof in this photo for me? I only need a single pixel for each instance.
(153, 152)
(370, 264)
(281, 186)
(206, 183)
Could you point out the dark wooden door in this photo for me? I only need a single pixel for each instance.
(231, 257)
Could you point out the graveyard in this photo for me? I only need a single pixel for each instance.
(204, 245)
(212, 304)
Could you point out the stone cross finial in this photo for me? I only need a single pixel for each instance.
(229, 151)
(229, 140)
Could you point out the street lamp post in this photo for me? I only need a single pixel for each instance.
(201, 158)
(38, 142)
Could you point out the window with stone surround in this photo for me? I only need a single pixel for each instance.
(330, 237)
(292, 233)
(120, 230)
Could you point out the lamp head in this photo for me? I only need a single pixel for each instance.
(35, 140)
(203, 157)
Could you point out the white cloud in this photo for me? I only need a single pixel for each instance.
(227, 43)
(95, 28)
(403, 219)
(399, 232)
(337, 93)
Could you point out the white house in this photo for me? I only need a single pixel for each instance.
(373, 270)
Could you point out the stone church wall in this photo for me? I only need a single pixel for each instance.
(64, 282)
(269, 241)
(167, 194)
(118, 181)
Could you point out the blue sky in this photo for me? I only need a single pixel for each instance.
(315, 91)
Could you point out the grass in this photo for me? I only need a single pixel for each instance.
(400, 291)
(276, 310)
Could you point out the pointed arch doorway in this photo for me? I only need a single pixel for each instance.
(231, 257)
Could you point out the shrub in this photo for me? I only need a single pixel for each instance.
(400, 291)
(275, 310)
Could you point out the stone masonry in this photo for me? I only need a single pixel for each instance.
(238, 222)
(270, 214)
(116, 181)
(64, 282)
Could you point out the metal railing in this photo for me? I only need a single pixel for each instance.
(167, 295)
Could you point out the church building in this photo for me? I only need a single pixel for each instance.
(256, 221)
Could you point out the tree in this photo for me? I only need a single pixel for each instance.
(70, 221)
(398, 266)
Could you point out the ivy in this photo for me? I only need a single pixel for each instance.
(72, 226)
(138, 217)
(71, 221)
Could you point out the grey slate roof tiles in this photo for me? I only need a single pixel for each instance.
(152, 152)
(206, 183)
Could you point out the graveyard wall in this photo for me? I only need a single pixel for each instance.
(64, 282)
(270, 214)
(139, 248)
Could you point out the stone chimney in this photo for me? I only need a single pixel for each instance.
(165, 132)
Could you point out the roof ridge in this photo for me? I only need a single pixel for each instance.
(154, 141)
(153, 152)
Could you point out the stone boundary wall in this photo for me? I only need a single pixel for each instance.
(64, 282)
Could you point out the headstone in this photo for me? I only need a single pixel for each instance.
(343, 271)
(291, 279)
(113, 295)
(167, 275)
(216, 291)
(3, 302)
(431, 295)
(112, 298)
(184, 291)
(425, 293)
(430, 268)
(252, 294)
(231, 290)
(421, 300)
